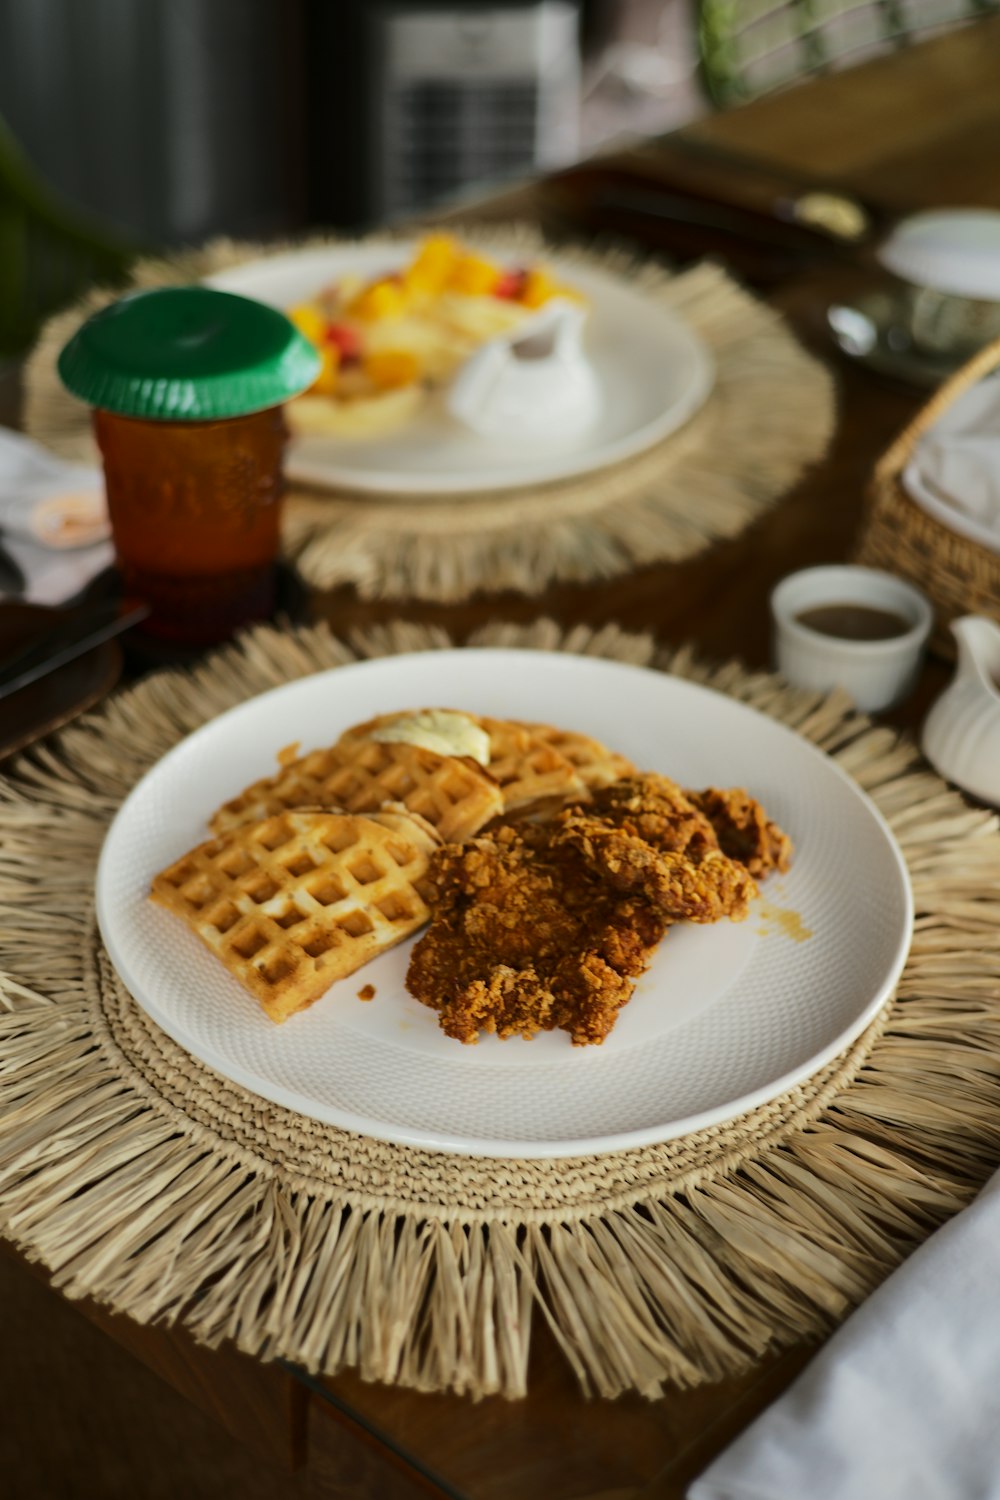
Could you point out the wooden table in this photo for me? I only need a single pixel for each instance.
(916, 129)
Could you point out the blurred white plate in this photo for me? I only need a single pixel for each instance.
(943, 509)
(972, 415)
(654, 372)
(726, 1017)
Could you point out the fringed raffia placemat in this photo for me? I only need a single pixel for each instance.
(770, 415)
(142, 1178)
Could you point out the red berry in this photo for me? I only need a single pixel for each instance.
(346, 339)
(510, 285)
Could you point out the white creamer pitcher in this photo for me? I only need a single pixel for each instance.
(535, 380)
(961, 736)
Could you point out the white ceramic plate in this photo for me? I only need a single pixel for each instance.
(654, 372)
(726, 1017)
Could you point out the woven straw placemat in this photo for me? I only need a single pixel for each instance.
(142, 1178)
(770, 414)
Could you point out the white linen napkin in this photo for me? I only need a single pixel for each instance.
(53, 519)
(903, 1403)
(954, 473)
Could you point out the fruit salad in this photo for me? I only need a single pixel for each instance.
(387, 343)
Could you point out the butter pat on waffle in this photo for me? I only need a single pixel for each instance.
(448, 731)
(455, 795)
(301, 899)
(533, 763)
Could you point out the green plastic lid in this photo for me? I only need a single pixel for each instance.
(187, 354)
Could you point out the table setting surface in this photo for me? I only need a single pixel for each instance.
(901, 133)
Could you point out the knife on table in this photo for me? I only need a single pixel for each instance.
(661, 201)
(74, 636)
(823, 206)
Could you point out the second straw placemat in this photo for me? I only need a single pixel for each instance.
(144, 1179)
(770, 414)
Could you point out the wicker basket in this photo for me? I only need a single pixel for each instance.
(959, 576)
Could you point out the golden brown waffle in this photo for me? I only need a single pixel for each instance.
(302, 899)
(456, 796)
(526, 766)
(593, 762)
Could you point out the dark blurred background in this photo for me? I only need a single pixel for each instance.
(171, 120)
(130, 125)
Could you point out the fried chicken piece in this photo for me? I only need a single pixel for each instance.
(645, 837)
(743, 830)
(545, 925)
(525, 939)
(658, 811)
(655, 809)
(701, 885)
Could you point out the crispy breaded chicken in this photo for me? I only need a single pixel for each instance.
(545, 925)
(525, 939)
(700, 885)
(645, 836)
(659, 812)
(654, 809)
(744, 830)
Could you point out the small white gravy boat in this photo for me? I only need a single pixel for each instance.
(961, 736)
(536, 380)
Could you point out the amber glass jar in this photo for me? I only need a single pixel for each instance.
(186, 385)
(195, 510)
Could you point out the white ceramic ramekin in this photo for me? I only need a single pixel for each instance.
(877, 674)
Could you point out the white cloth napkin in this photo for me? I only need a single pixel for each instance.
(954, 473)
(53, 519)
(903, 1403)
